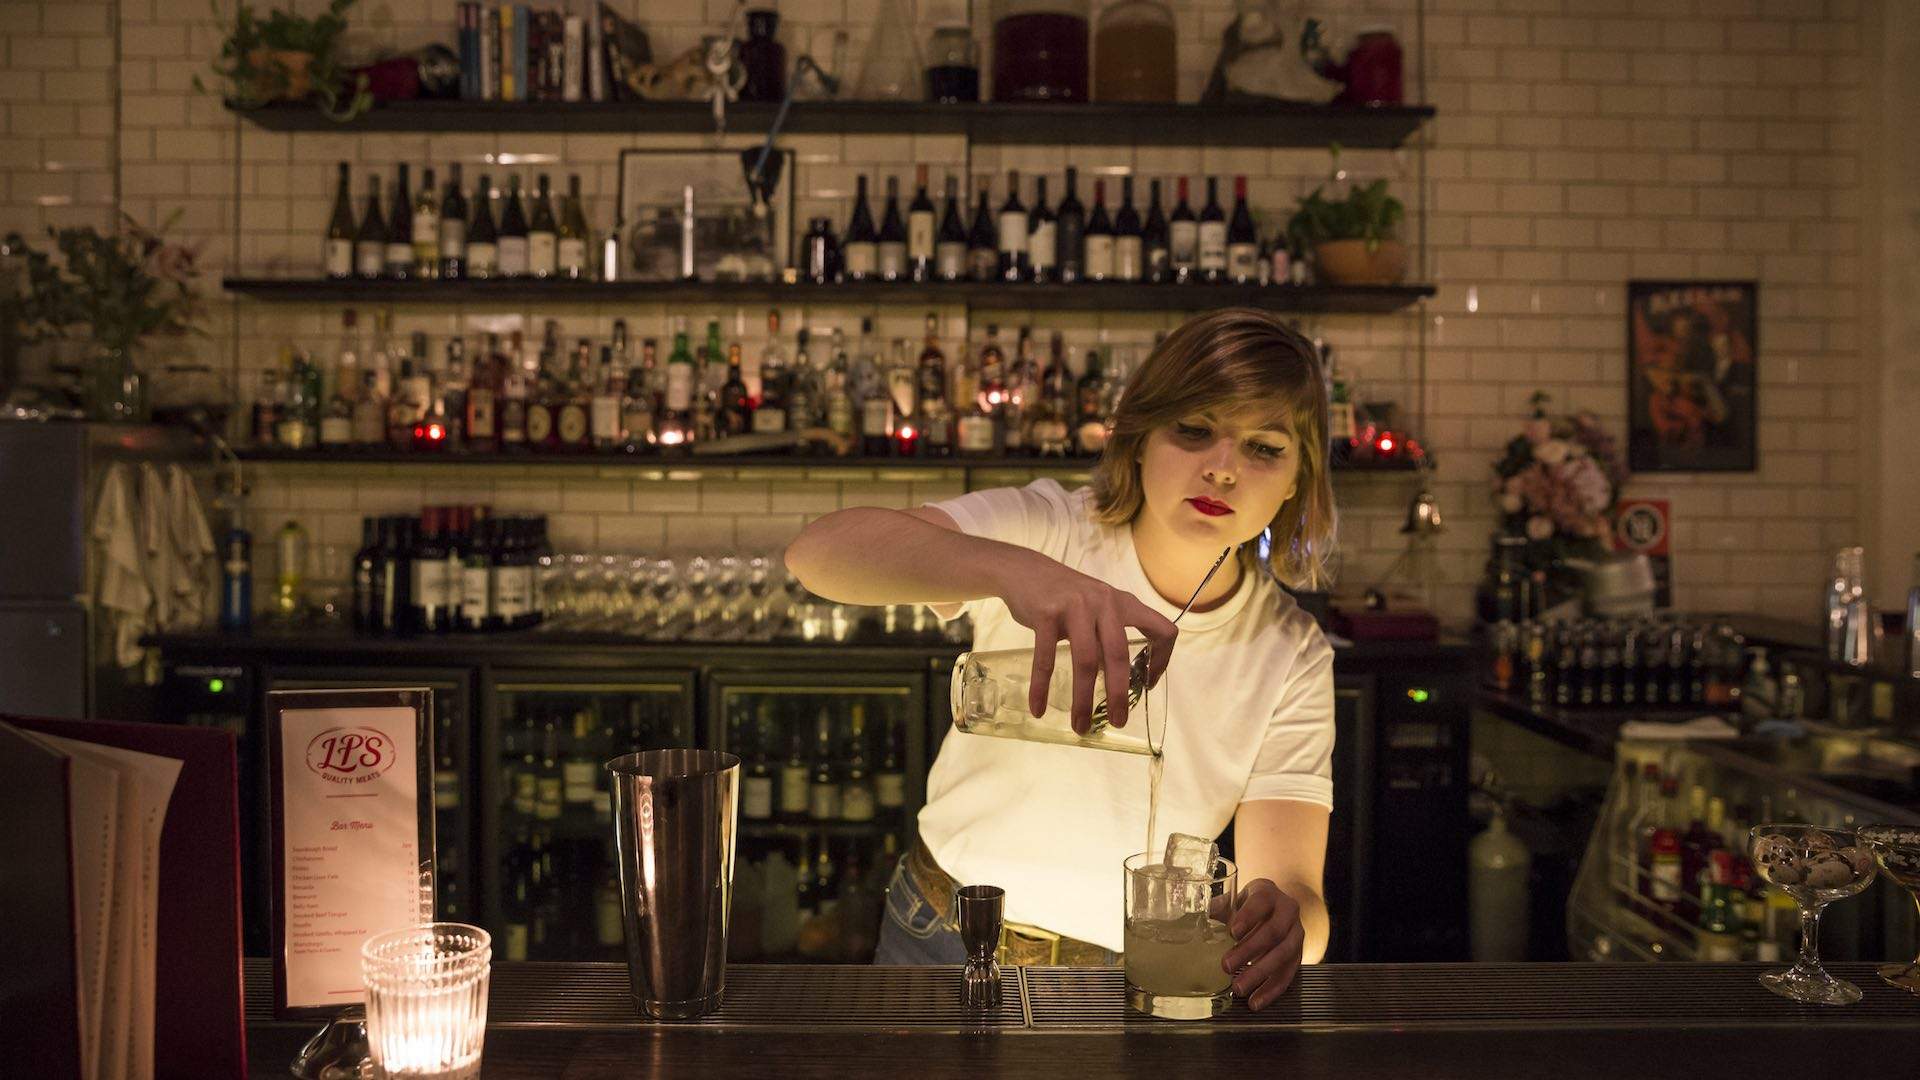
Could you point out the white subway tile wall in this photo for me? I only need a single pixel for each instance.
(1580, 143)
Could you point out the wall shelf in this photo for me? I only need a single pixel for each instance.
(1278, 124)
(979, 296)
(688, 464)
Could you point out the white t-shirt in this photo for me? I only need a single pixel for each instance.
(1249, 715)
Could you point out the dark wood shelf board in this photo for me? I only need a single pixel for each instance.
(715, 461)
(984, 296)
(1277, 123)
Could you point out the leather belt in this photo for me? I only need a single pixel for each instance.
(1019, 944)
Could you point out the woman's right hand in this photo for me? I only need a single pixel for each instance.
(1056, 601)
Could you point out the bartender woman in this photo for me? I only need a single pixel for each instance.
(1219, 440)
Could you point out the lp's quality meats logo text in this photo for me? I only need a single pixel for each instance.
(356, 755)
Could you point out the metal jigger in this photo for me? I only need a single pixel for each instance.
(980, 909)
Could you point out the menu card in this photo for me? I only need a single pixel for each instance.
(353, 837)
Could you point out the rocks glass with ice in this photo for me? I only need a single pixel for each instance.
(1179, 905)
(1815, 867)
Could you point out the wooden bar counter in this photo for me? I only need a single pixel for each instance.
(1697, 1021)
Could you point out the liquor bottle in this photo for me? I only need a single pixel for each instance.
(638, 405)
(992, 373)
(1043, 236)
(983, 241)
(417, 390)
(609, 389)
(1213, 235)
(515, 901)
(974, 426)
(756, 787)
(1183, 238)
(549, 799)
(856, 788)
(453, 227)
(1696, 844)
(950, 248)
(1098, 255)
(336, 424)
(450, 405)
(890, 782)
(803, 388)
(823, 790)
(483, 242)
(370, 243)
(1243, 240)
(543, 234)
(476, 585)
(575, 419)
(920, 230)
(577, 772)
(963, 381)
(513, 395)
(861, 247)
(543, 400)
(338, 250)
(678, 407)
(1128, 249)
(1069, 233)
(1049, 434)
(399, 253)
(1090, 427)
(570, 253)
(736, 408)
(893, 237)
(1154, 240)
(481, 423)
(836, 393)
(795, 778)
(900, 381)
(936, 414)
(1664, 850)
(806, 897)
(366, 579)
(770, 414)
(513, 242)
(1012, 233)
(428, 583)
(426, 229)
(876, 418)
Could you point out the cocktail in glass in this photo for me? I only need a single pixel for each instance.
(1177, 936)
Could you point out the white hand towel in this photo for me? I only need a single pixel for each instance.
(121, 595)
(193, 547)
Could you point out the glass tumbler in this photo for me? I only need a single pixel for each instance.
(1177, 937)
(427, 1000)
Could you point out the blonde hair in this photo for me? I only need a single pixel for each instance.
(1228, 362)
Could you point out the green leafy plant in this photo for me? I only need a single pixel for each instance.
(252, 72)
(115, 288)
(1366, 213)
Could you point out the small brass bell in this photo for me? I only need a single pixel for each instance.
(1423, 514)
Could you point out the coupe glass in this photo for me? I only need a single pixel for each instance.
(1815, 867)
(1896, 848)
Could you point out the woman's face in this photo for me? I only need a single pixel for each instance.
(1217, 480)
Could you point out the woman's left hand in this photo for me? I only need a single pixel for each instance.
(1268, 940)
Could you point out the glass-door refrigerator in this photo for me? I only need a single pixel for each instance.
(833, 775)
(546, 811)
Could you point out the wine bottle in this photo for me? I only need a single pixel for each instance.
(426, 229)
(862, 243)
(543, 234)
(893, 237)
(1042, 236)
(1243, 241)
(1127, 247)
(570, 254)
(1099, 249)
(1012, 233)
(1183, 238)
(483, 243)
(1153, 239)
(983, 243)
(400, 229)
(1069, 234)
(950, 250)
(920, 231)
(340, 230)
(453, 227)
(513, 233)
(1213, 235)
(370, 243)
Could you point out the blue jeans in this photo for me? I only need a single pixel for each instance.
(911, 933)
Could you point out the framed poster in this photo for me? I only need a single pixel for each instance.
(352, 816)
(1692, 392)
(735, 236)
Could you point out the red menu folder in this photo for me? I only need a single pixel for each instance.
(199, 1028)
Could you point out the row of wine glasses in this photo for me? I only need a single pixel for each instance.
(714, 597)
(1817, 866)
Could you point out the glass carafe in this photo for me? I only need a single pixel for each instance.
(989, 696)
(1040, 50)
(1133, 53)
(891, 71)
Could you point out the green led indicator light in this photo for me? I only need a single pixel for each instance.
(1419, 696)
(216, 685)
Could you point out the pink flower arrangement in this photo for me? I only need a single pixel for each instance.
(1559, 479)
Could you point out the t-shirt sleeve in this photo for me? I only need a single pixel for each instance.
(1035, 517)
(1296, 756)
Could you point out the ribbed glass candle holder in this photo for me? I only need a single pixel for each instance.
(427, 1000)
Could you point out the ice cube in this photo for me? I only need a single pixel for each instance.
(1152, 895)
(1193, 855)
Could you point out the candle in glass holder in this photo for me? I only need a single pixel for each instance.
(427, 1000)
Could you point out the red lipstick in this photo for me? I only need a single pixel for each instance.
(1210, 507)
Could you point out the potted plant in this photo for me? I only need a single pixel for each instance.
(116, 290)
(288, 57)
(1353, 239)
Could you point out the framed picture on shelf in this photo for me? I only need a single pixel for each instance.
(739, 231)
(1692, 388)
